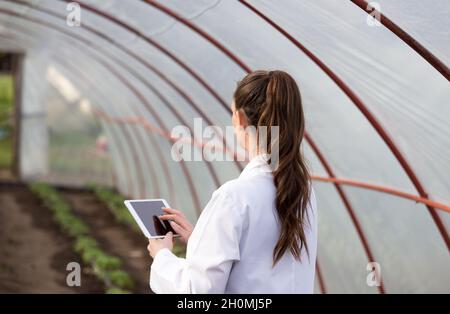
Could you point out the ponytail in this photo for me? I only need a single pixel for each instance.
(273, 99)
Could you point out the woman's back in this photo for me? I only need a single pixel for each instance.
(231, 247)
(254, 272)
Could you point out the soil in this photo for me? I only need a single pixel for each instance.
(34, 252)
(114, 238)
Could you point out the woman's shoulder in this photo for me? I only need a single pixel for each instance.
(229, 188)
(240, 186)
(246, 192)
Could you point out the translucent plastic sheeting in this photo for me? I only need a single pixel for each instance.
(74, 151)
(6, 44)
(409, 249)
(392, 227)
(204, 195)
(341, 255)
(406, 94)
(426, 21)
(48, 101)
(61, 50)
(342, 259)
(68, 160)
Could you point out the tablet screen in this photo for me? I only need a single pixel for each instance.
(149, 212)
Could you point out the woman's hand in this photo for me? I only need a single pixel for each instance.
(179, 223)
(155, 245)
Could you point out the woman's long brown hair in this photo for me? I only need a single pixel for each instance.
(272, 98)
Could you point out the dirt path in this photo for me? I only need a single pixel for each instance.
(114, 237)
(33, 251)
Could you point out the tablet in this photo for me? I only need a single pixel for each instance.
(146, 213)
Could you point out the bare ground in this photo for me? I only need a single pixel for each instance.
(33, 251)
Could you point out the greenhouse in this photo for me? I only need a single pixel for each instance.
(92, 91)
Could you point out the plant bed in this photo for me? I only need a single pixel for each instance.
(114, 237)
(106, 267)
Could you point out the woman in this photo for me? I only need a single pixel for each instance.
(258, 233)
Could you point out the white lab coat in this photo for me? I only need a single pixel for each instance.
(230, 249)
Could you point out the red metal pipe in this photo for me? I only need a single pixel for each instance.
(322, 286)
(384, 189)
(369, 116)
(406, 38)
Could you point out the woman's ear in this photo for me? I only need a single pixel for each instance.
(241, 118)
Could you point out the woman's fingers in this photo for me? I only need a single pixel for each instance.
(176, 218)
(155, 245)
(168, 238)
(168, 217)
(182, 221)
(179, 222)
(173, 211)
(178, 229)
(184, 234)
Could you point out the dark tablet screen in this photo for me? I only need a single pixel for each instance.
(149, 212)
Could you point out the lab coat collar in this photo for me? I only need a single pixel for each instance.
(258, 165)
